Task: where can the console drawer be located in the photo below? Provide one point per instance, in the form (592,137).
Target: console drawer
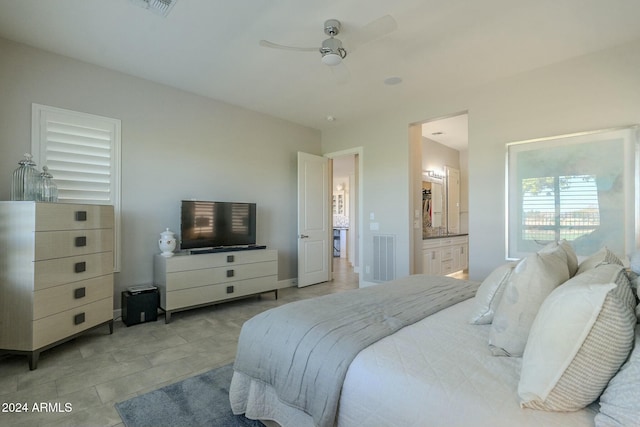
(220,292)
(221,259)
(211,276)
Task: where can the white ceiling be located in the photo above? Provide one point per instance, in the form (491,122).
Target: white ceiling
(210,47)
(450,131)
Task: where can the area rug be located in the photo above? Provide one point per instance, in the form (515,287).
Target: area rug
(202,400)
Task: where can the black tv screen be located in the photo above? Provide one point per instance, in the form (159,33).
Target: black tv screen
(206,224)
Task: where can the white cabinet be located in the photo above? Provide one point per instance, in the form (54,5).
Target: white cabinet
(188,281)
(445,255)
(431,260)
(56,273)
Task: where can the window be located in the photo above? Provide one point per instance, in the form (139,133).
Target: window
(559,207)
(580,187)
(82,152)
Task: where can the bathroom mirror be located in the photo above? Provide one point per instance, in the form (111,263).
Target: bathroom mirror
(433,207)
(441,204)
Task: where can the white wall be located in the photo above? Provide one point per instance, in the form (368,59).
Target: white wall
(175,145)
(436,156)
(596,91)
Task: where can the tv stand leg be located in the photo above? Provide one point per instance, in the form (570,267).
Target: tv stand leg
(167,317)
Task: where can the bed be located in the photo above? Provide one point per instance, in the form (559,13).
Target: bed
(451,366)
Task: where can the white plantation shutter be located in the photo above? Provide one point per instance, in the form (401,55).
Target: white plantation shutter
(82,152)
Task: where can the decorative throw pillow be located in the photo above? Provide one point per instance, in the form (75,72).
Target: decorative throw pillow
(572,258)
(603,256)
(489,294)
(581,336)
(619,404)
(531,281)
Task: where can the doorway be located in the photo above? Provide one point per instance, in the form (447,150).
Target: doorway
(439,153)
(346,201)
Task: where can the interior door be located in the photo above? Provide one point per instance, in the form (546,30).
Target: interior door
(453,200)
(314,225)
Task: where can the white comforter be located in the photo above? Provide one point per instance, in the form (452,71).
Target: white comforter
(439,372)
(436,372)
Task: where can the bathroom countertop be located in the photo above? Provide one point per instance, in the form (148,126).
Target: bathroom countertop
(444,236)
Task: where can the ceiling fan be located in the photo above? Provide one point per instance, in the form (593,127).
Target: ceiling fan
(332,50)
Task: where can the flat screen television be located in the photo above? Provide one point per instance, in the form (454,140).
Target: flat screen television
(208,224)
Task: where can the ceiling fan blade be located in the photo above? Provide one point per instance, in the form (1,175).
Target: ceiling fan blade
(266,43)
(373,30)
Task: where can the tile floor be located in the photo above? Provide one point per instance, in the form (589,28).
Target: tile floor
(96,370)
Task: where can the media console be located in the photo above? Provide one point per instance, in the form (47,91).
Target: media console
(189,281)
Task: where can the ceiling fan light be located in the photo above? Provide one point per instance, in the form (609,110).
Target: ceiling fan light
(331,59)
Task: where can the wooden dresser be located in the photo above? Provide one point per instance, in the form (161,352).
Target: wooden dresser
(188,281)
(56,274)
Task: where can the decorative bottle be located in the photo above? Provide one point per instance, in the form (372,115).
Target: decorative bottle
(47,189)
(24,184)
(167,243)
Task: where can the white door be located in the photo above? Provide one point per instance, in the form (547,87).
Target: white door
(453,200)
(314,225)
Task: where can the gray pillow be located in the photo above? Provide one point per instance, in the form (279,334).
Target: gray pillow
(620,402)
(603,256)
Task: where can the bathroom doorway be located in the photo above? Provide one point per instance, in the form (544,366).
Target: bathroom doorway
(439,155)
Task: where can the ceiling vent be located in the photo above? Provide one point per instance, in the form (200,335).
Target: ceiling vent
(160,7)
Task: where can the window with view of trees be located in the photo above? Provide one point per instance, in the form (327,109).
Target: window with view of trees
(580,187)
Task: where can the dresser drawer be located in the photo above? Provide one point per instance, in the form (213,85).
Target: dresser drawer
(66,216)
(219,292)
(447,253)
(210,276)
(59,271)
(447,267)
(209,260)
(60,244)
(59,326)
(72,295)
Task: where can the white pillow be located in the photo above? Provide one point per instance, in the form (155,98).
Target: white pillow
(603,256)
(489,294)
(572,258)
(620,402)
(531,281)
(579,339)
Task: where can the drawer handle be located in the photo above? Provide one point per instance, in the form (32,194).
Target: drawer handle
(81,241)
(81,215)
(229,289)
(230,273)
(79,293)
(231,258)
(78,319)
(80,267)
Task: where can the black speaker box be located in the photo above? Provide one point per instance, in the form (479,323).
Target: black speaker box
(140,307)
